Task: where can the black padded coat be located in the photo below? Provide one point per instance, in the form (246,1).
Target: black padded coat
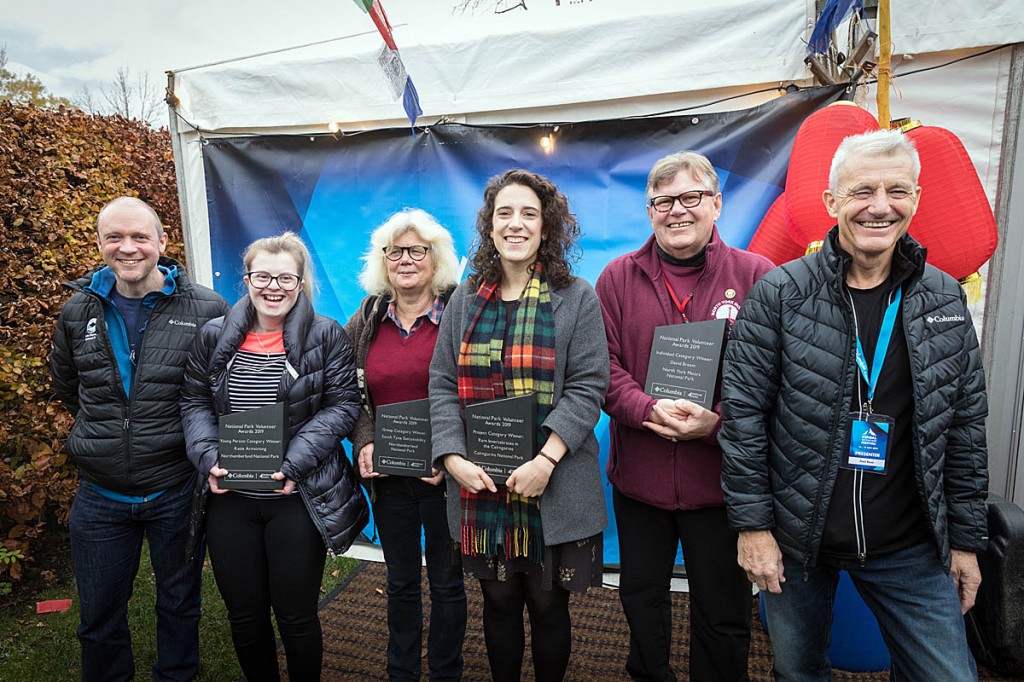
(133,446)
(322,403)
(787,384)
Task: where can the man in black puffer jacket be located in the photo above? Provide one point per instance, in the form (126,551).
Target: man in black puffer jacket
(118,359)
(853,435)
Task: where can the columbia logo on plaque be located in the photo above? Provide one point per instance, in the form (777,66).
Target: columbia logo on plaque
(401,439)
(686,360)
(501,435)
(252,447)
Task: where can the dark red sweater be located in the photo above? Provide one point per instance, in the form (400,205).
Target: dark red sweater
(397,369)
(634,300)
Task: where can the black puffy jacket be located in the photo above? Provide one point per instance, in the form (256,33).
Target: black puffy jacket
(322,402)
(787,384)
(135,446)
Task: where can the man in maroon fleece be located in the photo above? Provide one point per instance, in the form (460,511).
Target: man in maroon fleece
(665,463)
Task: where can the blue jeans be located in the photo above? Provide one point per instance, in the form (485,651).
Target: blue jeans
(403,506)
(106,546)
(911,596)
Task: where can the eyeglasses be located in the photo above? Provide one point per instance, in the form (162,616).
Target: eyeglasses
(416,252)
(664,203)
(261,280)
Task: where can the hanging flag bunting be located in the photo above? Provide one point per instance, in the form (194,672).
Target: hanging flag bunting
(411,102)
(390,62)
(380,19)
(832,14)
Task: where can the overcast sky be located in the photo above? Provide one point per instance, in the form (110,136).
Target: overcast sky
(68,43)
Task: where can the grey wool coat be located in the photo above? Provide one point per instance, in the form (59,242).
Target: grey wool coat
(572,505)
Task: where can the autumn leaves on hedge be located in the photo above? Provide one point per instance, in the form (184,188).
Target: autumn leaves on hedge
(57,168)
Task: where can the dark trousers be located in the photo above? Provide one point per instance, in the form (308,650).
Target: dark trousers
(403,507)
(267,554)
(106,546)
(720,594)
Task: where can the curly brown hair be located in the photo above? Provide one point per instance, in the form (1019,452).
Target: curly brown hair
(559,249)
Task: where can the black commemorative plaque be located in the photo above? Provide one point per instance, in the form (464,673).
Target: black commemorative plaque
(252,447)
(686,360)
(501,434)
(401,440)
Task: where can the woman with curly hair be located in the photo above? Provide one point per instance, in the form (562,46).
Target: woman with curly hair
(522,323)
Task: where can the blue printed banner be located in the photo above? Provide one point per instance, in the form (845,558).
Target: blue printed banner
(334,191)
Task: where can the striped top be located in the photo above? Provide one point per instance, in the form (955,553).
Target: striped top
(253,379)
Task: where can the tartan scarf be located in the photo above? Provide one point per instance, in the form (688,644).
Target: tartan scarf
(497,360)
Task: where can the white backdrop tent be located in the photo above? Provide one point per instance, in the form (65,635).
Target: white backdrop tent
(580,62)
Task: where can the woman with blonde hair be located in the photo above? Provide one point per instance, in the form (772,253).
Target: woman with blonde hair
(409,273)
(268,547)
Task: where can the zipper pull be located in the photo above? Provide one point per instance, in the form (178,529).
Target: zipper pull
(126,420)
(862,556)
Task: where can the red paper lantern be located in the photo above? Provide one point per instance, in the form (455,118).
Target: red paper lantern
(772,238)
(953,220)
(809,163)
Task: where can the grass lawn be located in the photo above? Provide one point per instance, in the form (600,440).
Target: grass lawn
(44,647)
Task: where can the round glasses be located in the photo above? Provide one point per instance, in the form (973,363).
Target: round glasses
(416,252)
(664,203)
(285,281)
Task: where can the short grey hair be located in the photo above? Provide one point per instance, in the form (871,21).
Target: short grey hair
(876,143)
(669,166)
(133,202)
(374,277)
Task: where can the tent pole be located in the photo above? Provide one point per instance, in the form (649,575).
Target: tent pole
(884,63)
(1001,348)
(179,177)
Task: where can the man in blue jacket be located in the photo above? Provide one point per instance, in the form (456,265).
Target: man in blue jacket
(118,360)
(853,435)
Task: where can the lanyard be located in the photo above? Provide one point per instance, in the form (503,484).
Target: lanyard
(884,336)
(675,299)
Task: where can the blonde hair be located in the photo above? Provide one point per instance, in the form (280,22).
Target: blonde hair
(666,168)
(374,277)
(289,243)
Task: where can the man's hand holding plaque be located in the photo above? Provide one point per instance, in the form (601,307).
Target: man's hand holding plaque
(681,420)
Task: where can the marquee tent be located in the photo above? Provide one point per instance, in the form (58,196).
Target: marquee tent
(956,66)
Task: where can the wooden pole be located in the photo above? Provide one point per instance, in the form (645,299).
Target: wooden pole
(884,64)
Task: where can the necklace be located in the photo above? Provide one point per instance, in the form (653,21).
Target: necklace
(260,341)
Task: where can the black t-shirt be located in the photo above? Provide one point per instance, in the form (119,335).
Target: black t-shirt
(886,511)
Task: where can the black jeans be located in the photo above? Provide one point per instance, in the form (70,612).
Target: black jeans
(266,553)
(403,507)
(720,594)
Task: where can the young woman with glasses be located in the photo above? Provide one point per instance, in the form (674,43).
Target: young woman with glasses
(268,547)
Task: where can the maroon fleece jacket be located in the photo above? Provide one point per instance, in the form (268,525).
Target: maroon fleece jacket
(634,300)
